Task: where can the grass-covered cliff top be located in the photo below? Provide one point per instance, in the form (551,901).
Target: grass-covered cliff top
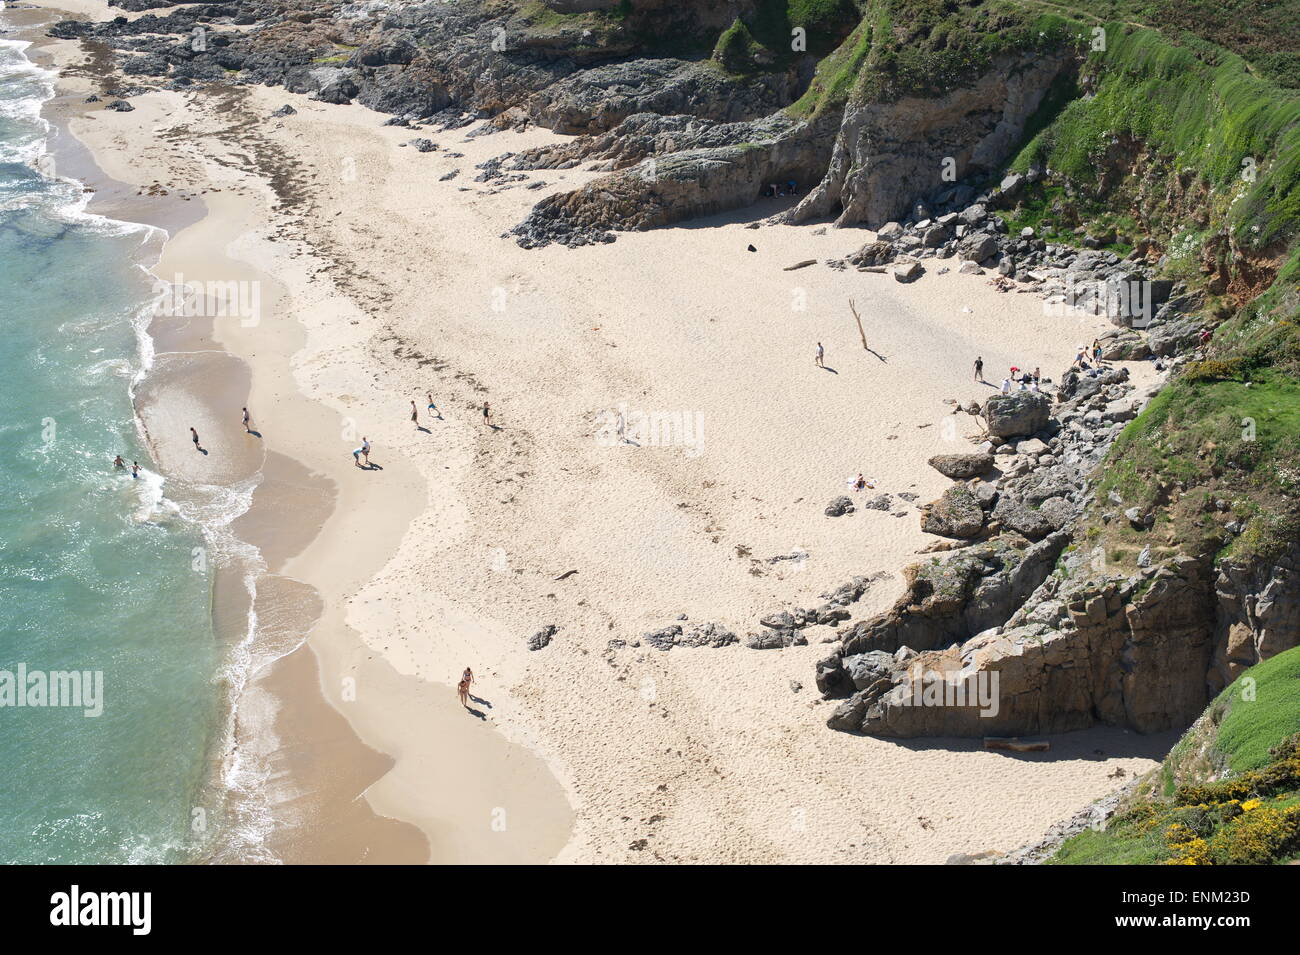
(1191,148)
(1227,794)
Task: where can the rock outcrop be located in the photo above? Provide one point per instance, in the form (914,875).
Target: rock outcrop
(956,514)
(679,185)
(889,154)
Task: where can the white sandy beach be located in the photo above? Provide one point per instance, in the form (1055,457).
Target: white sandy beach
(384,283)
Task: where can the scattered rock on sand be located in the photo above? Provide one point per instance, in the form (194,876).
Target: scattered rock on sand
(908,271)
(694,635)
(840,506)
(542,637)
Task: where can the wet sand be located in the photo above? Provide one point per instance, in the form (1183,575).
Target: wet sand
(292,753)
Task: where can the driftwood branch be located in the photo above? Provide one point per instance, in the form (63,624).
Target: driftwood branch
(858,318)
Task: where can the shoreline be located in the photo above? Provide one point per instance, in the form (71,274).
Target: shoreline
(320,811)
(690,755)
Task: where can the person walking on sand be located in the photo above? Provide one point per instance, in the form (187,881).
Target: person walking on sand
(979,367)
(462,691)
(487,414)
(820,360)
(415,415)
(433,407)
(119,463)
(248,422)
(467,678)
(194,436)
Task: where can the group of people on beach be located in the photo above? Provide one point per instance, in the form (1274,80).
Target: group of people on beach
(1028,380)
(1088,358)
(247,419)
(361,458)
(432,406)
(777,189)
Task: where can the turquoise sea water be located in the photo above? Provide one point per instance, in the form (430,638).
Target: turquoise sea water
(97,570)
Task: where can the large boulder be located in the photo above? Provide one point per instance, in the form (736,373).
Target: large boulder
(1023,518)
(978,247)
(1018,414)
(956,514)
(959,467)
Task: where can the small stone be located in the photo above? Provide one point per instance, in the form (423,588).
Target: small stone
(839,507)
(542,637)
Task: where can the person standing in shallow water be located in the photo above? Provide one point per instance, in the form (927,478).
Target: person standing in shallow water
(119,463)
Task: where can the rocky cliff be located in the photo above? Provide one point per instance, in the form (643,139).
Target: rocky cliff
(887,155)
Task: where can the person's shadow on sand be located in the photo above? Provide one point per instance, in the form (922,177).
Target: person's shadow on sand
(828,368)
(256,434)
(480,701)
(372,466)
(421,427)
(479,713)
(878,355)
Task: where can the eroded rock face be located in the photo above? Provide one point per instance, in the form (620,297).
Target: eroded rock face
(1129,653)
(887,154)
(947,601)
(1258,615)
(677,186)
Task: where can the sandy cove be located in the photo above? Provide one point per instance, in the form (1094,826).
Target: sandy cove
(396,282)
